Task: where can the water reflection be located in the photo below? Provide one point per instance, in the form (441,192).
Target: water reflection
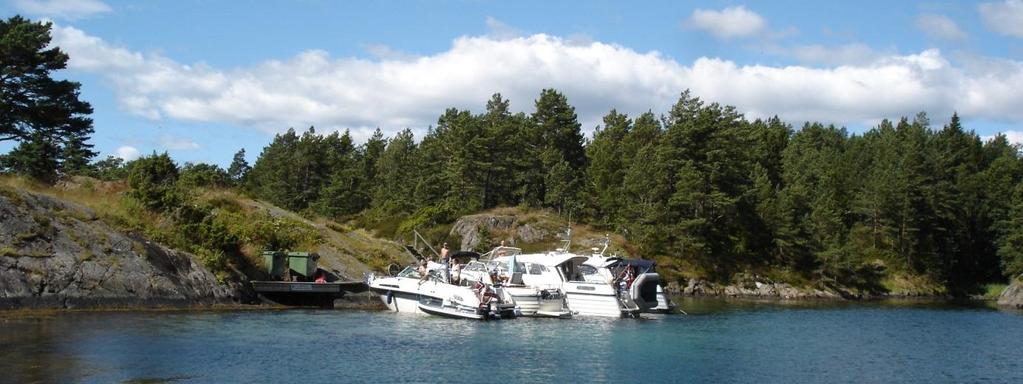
(720,342)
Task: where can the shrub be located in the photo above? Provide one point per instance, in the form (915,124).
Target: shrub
(153,180)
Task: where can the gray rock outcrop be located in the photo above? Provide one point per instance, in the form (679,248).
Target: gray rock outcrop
(470,228)
(1012,296)
(56,254)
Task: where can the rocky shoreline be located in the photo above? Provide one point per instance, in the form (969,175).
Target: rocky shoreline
(783,291)
(1012,296)
(59,255)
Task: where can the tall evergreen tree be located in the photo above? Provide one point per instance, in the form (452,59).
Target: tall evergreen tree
(239,167)
(37,157)
(395,173)
(35,109)
(606,171)
(556,136)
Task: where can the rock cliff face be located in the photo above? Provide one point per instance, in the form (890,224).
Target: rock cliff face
(55,254)
(472,228)
(1012,296)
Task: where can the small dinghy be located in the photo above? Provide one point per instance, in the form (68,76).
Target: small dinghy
(451,312)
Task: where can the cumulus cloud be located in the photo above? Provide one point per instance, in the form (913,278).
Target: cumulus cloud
(384,52)
(62,9)
(313,88)
(1013,137)
(729,22)
(848,54)
(176,143)
(1003,17)
(501,31)
(127,153)
(940,27)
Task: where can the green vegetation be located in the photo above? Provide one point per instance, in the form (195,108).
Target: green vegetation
(45,116)
(994,290)
(701,189)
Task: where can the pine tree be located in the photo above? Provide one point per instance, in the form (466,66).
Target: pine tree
(36,157)
(606,171)
(1010,242)
(395,175)
(556,136)
(36,110)
(239,167)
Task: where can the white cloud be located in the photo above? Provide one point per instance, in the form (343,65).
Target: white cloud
(175,143)
(501,31)
(1005,17)
(848,54)
(941,27)
(384,52)
(63,9)
(314,88)
(1013,137)
(127,153)
(729,22)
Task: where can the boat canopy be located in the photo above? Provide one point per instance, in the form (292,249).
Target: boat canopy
(465,254)
(642,266)
(550,260)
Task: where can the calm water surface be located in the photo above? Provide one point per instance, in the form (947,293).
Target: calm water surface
(718,342)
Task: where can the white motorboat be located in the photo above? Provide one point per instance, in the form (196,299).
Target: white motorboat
(639,279)
(612,286)
(409,292)
(531,281)
(567,279)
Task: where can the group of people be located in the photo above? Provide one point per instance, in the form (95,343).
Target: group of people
(451,267)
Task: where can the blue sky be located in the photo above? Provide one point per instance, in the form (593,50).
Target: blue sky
(201,79)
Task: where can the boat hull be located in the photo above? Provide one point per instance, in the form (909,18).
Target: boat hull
(533,303)
(589,299)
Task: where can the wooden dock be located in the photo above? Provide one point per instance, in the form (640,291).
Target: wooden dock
(302,293)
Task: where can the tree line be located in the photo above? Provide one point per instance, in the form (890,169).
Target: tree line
(699,184)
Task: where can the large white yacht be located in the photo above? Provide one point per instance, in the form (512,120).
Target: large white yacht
(636,277)
(410,292)
(543,284)
(610,286)
(532,281)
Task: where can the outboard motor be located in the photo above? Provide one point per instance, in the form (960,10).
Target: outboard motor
(644,290)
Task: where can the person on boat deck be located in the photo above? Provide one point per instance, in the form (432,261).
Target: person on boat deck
(422,270)
(456,272)
(625,279)
(321,277)
(446,260)
(500,249)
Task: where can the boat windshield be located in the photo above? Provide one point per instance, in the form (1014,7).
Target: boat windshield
(502,266)
(501,251)
(410,272)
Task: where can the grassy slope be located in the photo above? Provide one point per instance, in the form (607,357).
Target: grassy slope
(349,252)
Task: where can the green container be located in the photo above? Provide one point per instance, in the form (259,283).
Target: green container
(303,263)
(275,262)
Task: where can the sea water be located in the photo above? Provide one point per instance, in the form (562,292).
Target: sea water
(718,341)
